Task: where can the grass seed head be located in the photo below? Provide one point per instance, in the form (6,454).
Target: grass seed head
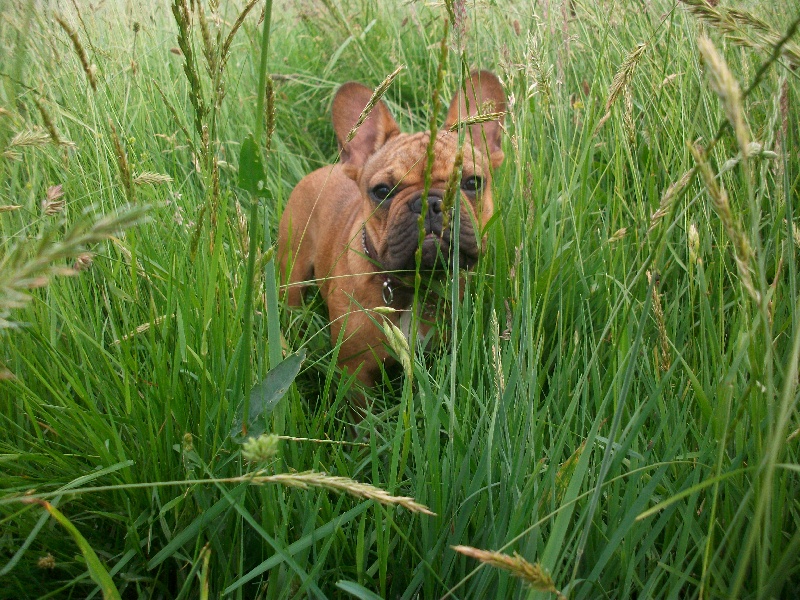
(663,360)
(54,202)
(719,201)
(533,574)
(627,117)
(48,122)
(180,12)
(374,99)
(796,234)
(226,46)
(122,163)
(30,137)
(624,75)
(669,197)
(209,50)
(479,118)
(744,29)
(694,245)
(88,68)
(83,262)
(150,178)
(727,88)
(346,485)
(399,344)
(618,235)
(452,188)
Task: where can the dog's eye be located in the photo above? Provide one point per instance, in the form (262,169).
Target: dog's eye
(472,184)
(382,192)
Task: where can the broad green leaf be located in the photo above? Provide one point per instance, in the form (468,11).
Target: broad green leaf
(264,396)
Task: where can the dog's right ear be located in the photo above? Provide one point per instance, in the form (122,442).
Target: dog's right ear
(374,132)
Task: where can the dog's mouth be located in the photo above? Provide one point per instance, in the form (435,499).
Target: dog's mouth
(437,250)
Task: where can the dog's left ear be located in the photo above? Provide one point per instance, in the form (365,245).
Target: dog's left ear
(484,95)
(374,132)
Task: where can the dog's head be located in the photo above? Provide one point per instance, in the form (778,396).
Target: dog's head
(389,168)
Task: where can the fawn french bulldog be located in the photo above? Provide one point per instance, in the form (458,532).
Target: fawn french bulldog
(352,228)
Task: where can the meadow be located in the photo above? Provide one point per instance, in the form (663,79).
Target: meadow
(613,412)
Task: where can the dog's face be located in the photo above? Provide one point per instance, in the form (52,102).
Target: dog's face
(389,168)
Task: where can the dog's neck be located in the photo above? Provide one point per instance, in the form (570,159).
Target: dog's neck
(390,284)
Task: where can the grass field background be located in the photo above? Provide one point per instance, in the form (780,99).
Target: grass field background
(629,341)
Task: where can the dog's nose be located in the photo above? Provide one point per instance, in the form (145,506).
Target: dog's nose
(434,205)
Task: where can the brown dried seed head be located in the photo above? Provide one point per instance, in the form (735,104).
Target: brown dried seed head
(83,261)
(79,50)
(54,202)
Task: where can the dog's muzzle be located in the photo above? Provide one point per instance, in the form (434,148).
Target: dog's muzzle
(437,251)
(434,218)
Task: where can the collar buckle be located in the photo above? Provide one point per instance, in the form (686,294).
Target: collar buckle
(388,293)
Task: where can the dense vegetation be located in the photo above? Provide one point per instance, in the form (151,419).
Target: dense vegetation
(629,342)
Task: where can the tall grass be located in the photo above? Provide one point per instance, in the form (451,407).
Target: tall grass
(615,414)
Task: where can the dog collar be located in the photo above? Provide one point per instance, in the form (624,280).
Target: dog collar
(372,255)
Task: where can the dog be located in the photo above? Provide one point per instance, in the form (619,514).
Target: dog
(353,228)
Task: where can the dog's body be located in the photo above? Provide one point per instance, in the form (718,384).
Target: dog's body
(352,227)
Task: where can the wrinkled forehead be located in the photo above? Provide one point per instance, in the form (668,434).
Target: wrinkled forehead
(404,157)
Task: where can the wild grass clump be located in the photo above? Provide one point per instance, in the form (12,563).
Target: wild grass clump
(612,409)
